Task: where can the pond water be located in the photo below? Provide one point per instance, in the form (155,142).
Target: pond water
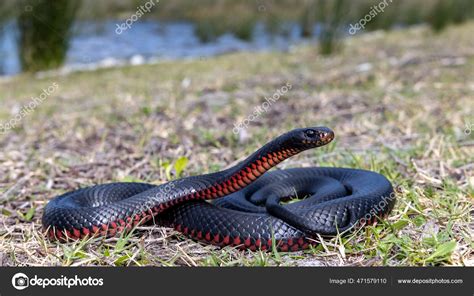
(99,44)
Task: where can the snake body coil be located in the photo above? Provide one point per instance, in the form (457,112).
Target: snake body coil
(246,211)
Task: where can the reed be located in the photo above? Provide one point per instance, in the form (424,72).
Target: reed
(44,27)
(332,15)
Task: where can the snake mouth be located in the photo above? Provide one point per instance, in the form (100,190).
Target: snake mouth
(328,137)
(323,141)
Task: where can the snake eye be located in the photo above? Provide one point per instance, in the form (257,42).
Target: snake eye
(310,133)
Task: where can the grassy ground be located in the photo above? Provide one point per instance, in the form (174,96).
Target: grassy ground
(399,103)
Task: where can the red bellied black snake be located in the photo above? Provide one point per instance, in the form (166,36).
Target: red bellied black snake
(247,208)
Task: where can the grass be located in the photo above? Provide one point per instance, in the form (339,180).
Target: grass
(399,103)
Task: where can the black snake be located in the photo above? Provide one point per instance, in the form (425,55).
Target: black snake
(248,206)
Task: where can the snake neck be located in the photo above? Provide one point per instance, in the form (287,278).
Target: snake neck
(247,171)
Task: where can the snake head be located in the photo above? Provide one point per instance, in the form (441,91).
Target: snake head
(311,137)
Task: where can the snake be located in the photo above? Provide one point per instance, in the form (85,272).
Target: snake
(243,206)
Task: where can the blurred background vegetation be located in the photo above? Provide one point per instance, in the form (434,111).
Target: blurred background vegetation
(45,25)
(39,48)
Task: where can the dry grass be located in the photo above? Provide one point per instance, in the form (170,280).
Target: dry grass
(399,103)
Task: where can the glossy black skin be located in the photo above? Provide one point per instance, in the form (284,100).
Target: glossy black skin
(337,199)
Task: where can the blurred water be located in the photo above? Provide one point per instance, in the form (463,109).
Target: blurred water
(96,44)
(9,60)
